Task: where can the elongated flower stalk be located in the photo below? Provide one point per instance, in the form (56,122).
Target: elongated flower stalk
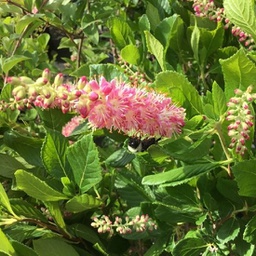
(208,9)
(242,120)
(129,225)
(114,105)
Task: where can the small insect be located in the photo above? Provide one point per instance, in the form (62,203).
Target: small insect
(137,145)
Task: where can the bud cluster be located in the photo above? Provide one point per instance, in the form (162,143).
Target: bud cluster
(138,224)
(208,9)
(242,120)
(111,105)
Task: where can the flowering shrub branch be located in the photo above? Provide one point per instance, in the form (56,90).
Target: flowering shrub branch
(112,105)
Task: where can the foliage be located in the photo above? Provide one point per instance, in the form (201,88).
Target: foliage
(86,194)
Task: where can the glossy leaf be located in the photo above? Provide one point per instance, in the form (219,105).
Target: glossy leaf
(22,249)
(242,14)
(54,154)
(10,62)
(228,231)
(120,158)
(155,48)
(245,176)
(179,175)
(4,200)
(8,165)
(131,54)
(219,100)
(180,90)
(250,231)
(82,202)
(84,160)
(36,188)
(239,72)
(5,245)
(190,247)
(28,147)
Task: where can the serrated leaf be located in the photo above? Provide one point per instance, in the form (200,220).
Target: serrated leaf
(228,231)
(28,147)
(120,158)
(239,72)
(57,215)
(249,234)
(23,208)
(22,249)
(242,14)
(36,188)
(219,100)
(84,160)
(4,200)
(53,246)
(155,48)
(179,175)
(245,176)
(190,247)
(54,118)
(8,165)
(131,54)
(5,245)
(121,32)
(180,90)
(109,71)
(54,154)
(82,202)
(10,62)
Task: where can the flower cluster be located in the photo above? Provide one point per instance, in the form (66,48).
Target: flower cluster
(138,224)
(241,119)
(112,105)
(208,9)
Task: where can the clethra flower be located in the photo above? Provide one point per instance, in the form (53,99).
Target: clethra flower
(128,225)
(71,125)
(241,119)
(113,105)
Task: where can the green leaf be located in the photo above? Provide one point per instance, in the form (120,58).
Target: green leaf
(155,48)
(188,151)
(57,215)
(153,15)
(167,30)
(82,202)
(25,21)
(180,205)
(190,247)
(228,231)
(250,231)
(23,208)
(242,14)
(10,62)
(54,154)
(120,158)
(239,72)
(22,249)
(131,54)
(219,100)
(53,246)
(158,246)
(36,188)
(84,160)
(83,70)
(27,147)
(245,176)
(109,71)
(54,118)
(179,175)
(4,200)
(180,90)
(5,245)
(121,32)
(86,233)
(8,165)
